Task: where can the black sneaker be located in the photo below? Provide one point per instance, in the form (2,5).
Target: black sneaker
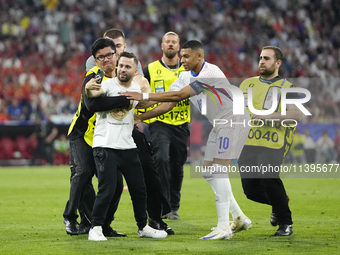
(161,225)
(284,230)
(274,220)
(71,227)
(109,232)
(169,230)
(83,229)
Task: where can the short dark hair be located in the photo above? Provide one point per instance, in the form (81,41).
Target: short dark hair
(277,52)
(193,44)
(128,55)
(114,33)
(102,43)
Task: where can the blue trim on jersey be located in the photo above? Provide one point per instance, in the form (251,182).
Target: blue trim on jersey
(275,79)
(224,93)
(195,75)
(265,81)
(196,85)
(283,82)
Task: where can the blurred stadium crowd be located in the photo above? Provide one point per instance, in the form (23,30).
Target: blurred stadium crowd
(44,45)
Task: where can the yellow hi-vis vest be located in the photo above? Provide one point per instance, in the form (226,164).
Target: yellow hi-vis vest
(272,134)
(161,79)
(297,146)
(88,136)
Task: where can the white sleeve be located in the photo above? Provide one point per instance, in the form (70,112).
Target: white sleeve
(178,84)
(106,87)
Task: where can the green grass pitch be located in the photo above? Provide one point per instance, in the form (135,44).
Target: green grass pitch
(32,201)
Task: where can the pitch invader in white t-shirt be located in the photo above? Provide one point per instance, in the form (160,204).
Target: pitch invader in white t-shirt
(203,79)
(114,150)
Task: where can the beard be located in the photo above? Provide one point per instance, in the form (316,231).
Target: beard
(170,54)
(267,71)
(126,78)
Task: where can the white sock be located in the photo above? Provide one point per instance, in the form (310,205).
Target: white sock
(223,215)
(234,208)
(219,184)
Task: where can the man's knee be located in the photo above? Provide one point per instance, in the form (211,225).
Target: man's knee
(250,194)
(248,189)
(162,157)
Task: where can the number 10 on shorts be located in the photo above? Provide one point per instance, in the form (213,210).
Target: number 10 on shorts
(224,143)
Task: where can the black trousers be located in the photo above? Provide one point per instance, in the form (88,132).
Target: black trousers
(82,194)
(169,145)
(108,162)
(266,188)
(157,204)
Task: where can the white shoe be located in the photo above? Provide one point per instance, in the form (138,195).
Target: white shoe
(150,232)
(240,223)
(96,234)
(218,234)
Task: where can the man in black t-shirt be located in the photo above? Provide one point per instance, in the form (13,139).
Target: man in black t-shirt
(46,132)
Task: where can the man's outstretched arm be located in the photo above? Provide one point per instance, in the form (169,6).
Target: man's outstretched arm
(169,96)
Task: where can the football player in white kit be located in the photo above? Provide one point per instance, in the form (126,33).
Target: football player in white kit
(205,82)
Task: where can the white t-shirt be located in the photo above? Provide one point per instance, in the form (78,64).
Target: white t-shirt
(213,76)
(324,144)
(114,128)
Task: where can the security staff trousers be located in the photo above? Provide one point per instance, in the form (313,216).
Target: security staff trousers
(265,186)
(169,145)
(157,204)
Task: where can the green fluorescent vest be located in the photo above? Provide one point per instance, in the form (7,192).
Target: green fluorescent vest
(272,134)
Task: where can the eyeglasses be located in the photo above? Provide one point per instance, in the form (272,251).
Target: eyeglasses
(101,58)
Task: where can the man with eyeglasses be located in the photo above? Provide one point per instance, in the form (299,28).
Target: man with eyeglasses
(110,55)
(118,37)
(80,136)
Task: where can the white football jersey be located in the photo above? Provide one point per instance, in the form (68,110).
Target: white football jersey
(219,102)
(211,86)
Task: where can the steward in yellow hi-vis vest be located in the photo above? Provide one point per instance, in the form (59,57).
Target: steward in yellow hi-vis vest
(78,117)
(169,132)
(272,134)
(161,79)
(261,160)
